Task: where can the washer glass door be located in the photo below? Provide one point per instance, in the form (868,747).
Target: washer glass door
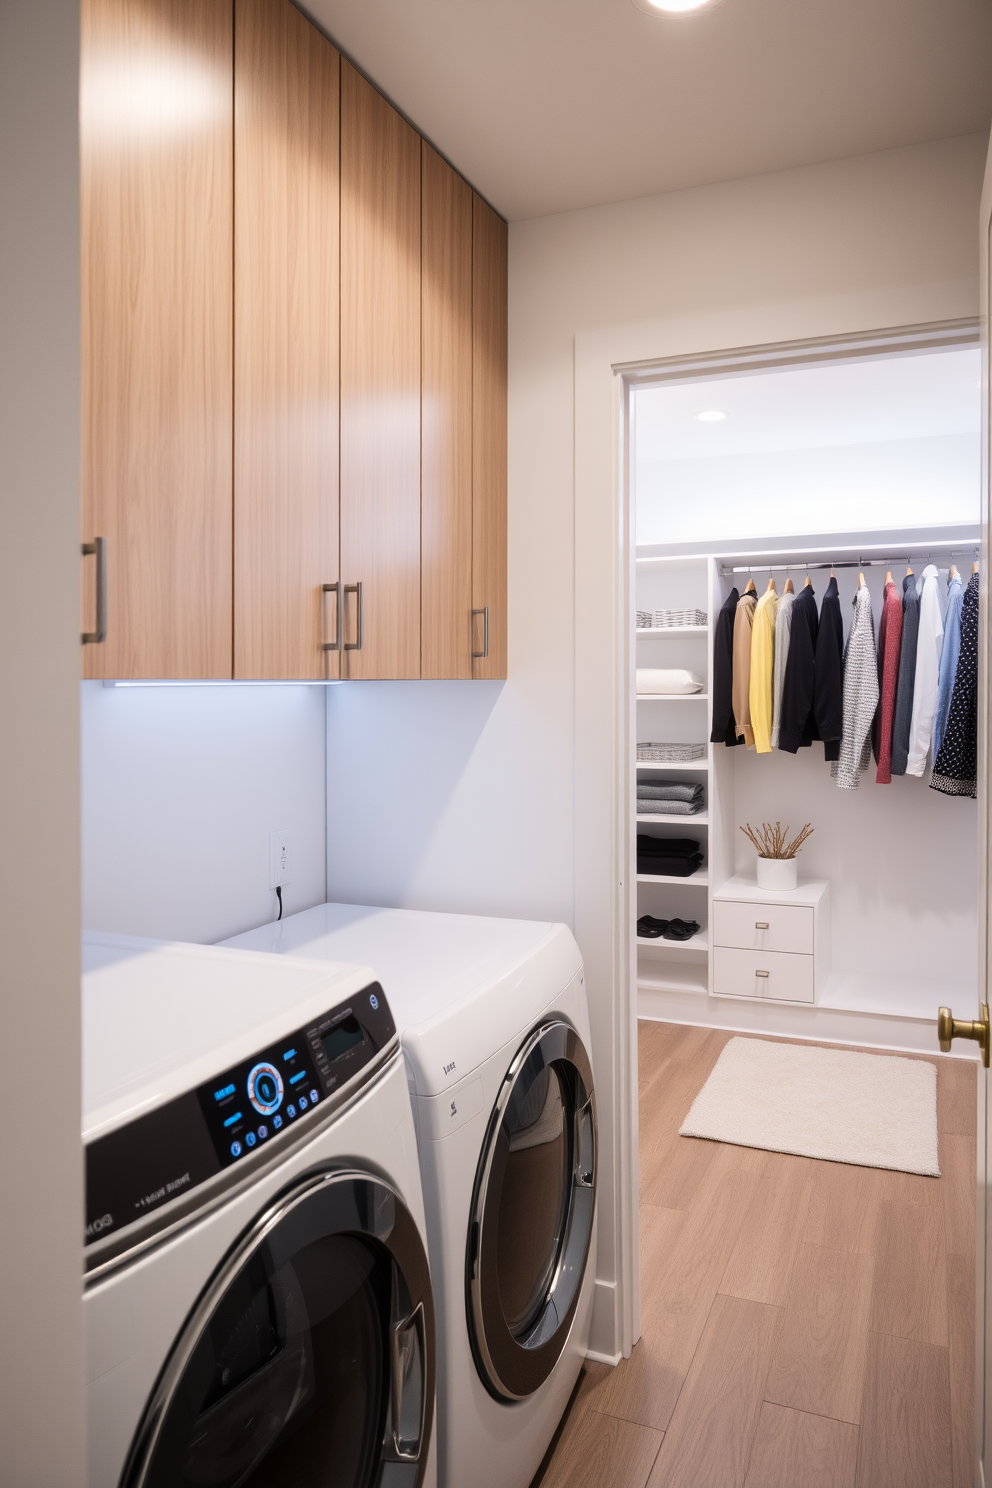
(309,1360)
(532,1212)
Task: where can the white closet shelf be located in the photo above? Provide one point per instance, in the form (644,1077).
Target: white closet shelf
(701,819)
(700,764)
(700,878)
(698,943)
(673,630)
(671,984)
(672,697)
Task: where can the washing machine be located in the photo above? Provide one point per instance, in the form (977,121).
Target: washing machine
(494,1022)
(257,1304)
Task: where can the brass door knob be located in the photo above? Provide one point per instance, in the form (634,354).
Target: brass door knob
(949,1027)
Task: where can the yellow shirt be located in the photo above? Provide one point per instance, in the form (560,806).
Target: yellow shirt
(762,662)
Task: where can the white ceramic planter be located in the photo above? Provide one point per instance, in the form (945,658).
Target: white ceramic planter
(778,874)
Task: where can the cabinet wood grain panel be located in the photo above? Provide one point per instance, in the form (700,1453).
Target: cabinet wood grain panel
(380,381)
(287,198)
(446,422)
(489,350)
(157,263)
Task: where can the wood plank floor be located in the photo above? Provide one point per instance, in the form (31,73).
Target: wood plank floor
(805,1324)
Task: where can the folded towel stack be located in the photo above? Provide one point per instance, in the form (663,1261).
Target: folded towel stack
(668,800)
(673,857)
(668,681)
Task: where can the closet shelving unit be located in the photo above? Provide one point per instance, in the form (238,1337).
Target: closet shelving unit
(675,980)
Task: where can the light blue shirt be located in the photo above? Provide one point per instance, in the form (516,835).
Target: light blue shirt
(949,653)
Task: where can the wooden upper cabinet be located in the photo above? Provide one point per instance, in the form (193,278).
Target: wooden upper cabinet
(157,262)
(380,384)
(446,422)
(489,350)
(286,205)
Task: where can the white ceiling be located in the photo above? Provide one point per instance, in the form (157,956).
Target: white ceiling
(547,105)
(905,397)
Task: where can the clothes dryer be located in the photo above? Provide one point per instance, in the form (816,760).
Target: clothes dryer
(257,1304)
(494,1022)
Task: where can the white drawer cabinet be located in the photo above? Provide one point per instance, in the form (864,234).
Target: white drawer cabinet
(768,945)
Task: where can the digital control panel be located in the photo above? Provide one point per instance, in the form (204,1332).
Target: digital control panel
(236,1115)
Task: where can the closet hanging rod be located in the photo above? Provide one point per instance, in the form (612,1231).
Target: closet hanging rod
(804,567)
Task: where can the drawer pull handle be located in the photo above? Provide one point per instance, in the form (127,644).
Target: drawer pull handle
(762,973)
(761,924)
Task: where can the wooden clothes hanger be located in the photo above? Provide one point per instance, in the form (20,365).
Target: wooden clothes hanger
(788,586)
(888,576)
(952,572)
(771,587)
(750,586)
(974,566)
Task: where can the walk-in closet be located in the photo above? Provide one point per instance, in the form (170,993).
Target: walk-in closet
(821,483)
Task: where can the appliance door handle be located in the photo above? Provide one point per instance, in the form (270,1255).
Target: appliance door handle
(355,645)
(484,612)
(408,1401)
(585,1147)
(98,549)
(337,591)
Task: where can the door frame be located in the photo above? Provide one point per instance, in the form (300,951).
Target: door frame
(607,366)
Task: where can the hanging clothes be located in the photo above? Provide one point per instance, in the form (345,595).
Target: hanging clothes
(907,675)
(783,636)
(828,696)
(724,729)
(889,641)
(955,771)
(929,640)
(762,664)
(949,652)
(860,695)
(797,726)
(743,622)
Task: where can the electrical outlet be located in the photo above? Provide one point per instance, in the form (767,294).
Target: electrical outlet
(280,860)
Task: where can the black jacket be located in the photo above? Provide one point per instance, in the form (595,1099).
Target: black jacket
(828,702)
(724,728)
(797,725)
(906,684)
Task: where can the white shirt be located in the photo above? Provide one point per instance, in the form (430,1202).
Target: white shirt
(931,638)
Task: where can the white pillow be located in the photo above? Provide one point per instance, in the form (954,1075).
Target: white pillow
(671,680)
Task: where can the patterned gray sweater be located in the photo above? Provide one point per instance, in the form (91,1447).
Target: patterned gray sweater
(860,696)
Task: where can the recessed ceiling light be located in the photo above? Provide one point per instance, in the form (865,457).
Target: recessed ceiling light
(675,7)
(711,415)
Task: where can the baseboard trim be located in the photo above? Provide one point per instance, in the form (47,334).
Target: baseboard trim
(597,1358)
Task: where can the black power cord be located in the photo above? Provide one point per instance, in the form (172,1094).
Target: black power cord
(279,897)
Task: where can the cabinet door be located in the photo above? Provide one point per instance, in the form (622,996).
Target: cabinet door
(286,205)
(446,427)
(489,269)
(157,264)
(380,384)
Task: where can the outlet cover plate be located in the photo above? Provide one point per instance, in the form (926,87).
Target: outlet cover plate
(280,859)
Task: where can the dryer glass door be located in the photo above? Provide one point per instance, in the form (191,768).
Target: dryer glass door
(309,1360)
(532,1212)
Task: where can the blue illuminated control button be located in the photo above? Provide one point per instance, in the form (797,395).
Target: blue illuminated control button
(235,1149)
(265,1088)
(276,1123)
(313,1097)
(263,1132)
(373,1002)
(303,1102)
(249,1139)
(290,1111)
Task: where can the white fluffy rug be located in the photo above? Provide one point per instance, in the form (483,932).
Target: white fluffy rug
(875,1110)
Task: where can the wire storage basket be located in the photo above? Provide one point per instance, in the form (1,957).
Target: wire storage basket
(672,754)
(672,619)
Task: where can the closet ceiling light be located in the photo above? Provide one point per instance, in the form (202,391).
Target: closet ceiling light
(711,415)
(675,7)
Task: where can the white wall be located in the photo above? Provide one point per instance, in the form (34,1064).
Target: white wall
(881,240)
(41,1368)
(181,788)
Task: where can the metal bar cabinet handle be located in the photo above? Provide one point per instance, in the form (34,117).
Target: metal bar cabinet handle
(355,645)
(334,589)
(98,549)
(484,612)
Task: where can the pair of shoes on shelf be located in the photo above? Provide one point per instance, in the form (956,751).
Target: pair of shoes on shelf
(651,928)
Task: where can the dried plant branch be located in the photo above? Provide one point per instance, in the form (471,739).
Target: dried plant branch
(772,842)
